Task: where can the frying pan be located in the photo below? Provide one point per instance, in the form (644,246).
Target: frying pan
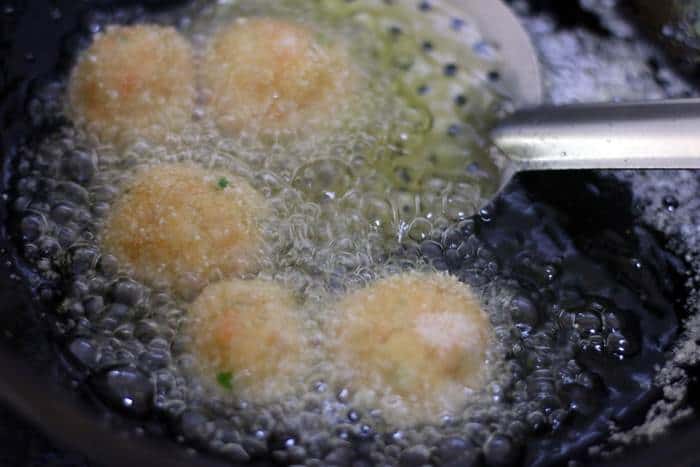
(33,382)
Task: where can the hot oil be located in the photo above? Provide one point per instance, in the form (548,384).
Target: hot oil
(564,306)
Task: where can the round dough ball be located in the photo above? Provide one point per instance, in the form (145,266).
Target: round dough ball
(270,76)
(134,82)
(182,226)
(247,338)
(417,341)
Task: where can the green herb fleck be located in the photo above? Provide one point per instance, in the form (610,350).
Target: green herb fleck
(225,380)
(223,183)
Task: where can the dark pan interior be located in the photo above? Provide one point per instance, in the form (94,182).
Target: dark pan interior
(33,50)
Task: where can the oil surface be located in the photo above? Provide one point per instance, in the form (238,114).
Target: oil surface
(573,279)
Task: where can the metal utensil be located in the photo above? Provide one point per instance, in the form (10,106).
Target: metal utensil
(644,135)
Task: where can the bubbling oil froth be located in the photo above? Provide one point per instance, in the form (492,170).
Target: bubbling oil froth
(338,216)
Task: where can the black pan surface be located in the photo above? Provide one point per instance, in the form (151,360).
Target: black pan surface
(37,39)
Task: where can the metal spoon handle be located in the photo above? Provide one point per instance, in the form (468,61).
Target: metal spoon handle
(645,135)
